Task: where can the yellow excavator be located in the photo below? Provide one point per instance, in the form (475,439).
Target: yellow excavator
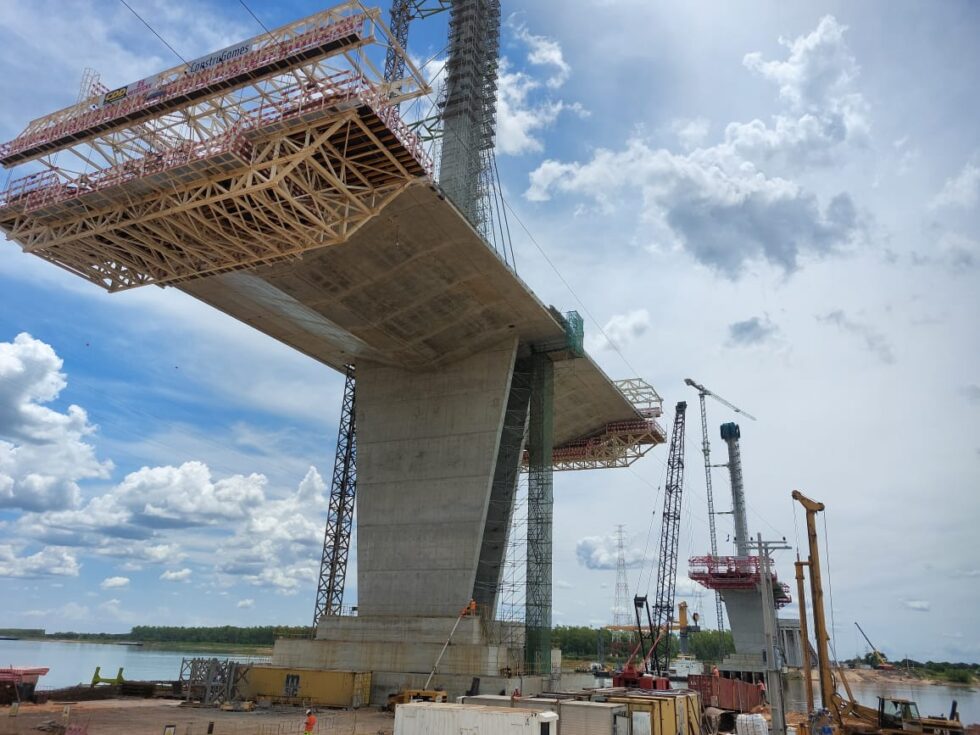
(842,716)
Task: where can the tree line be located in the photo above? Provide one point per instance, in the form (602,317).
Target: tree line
(583,642)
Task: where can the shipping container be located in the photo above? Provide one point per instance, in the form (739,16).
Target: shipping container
(730,694)
(306,686)
(427,718)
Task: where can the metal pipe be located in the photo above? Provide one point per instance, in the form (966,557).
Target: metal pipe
(804,634)
(828,692)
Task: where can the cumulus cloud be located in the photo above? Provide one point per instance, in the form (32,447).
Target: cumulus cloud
(43,452)
(727,204)
(50,561)
(246,603)
(522,111)
(176,575)
(620,330)
(544,51)
(754,331)
(960,191)
(114,582)
(918,605)
(601,552)
(873,340)
(954,251)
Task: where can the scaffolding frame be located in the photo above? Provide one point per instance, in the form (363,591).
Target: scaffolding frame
(292,146)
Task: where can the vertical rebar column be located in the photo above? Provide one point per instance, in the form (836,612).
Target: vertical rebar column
(540,507)
(340,515)
(469,106)
(731,434)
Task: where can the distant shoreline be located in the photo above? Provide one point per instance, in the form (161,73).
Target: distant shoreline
(175,646)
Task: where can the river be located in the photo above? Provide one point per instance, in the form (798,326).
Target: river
(933,699)
(72,663)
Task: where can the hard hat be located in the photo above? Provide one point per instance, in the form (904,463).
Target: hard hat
(309,712)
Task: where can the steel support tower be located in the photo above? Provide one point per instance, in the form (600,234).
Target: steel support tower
(663,608)
(540,511)
(340,516)
(469,109)
(706,451)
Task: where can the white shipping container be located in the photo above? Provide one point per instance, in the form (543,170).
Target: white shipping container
(428,718)
(589,718)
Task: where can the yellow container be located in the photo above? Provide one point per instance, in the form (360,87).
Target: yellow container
(307,686)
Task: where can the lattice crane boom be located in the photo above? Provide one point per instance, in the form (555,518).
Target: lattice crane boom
(663,608)
(705,392)
(340,516)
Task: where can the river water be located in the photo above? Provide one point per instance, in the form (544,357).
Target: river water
(73,663)
(932,699)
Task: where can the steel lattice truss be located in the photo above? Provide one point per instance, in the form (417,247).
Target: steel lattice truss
(340,516)
(663,608)
(292,144)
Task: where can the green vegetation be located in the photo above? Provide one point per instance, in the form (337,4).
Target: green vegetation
(224,638)
(583,643)
(22,632)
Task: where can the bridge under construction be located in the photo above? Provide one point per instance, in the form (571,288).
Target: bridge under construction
(277,181)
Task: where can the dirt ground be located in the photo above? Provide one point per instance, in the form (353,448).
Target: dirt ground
(151,716)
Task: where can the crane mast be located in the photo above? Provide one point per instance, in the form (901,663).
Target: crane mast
(663,608)
(706,451)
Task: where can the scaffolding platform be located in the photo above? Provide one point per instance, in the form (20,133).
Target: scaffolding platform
(734,573)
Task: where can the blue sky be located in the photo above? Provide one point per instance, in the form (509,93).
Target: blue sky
(779,201)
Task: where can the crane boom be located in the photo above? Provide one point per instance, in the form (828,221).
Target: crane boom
(704,391)
(663,608)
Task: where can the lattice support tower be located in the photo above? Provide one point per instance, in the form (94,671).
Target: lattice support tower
(540,511)
(402,13)
(340,515)
(663,607)
(706,451)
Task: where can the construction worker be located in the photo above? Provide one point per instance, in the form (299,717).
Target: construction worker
(762,691)
(470,609)
(714,671)
(310,723)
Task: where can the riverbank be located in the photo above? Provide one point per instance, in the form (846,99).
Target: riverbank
(899,677)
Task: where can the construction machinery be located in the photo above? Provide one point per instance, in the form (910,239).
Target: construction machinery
(706,451)
(878,659)
(893,715)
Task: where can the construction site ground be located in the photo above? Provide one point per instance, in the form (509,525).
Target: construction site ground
(151,716)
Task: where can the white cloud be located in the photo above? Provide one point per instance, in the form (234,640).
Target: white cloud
(114,582)
(246,603)
(544,51)
(46,454)
(962,190)
(691,133)
(522,112)
(48,562)
(620,330)
(918,605)
(601,552)
(178,575)
(727,204)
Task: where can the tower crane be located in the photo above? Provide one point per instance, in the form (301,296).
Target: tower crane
(706,451)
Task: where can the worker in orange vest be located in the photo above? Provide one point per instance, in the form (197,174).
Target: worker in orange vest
(310,723)
(470,609)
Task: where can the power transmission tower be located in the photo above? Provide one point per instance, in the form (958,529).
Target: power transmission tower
(663,608)
(621,616)
(340,515)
